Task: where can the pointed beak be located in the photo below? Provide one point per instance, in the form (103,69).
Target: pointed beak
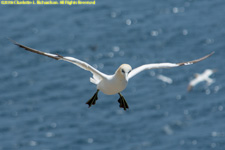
(126,76)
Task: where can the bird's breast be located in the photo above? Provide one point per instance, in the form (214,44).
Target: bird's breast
(112,86)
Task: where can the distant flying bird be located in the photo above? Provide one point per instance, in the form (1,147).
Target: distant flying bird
(111,84)
(164,79)
(205,76)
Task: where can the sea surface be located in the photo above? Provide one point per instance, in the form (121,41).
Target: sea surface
(42,101)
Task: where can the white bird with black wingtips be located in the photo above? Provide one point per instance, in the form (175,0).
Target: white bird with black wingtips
(205,76)
(111,84)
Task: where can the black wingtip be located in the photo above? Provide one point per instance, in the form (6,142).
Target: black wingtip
(209,55)
(196,60)
(212,53)
(14,42)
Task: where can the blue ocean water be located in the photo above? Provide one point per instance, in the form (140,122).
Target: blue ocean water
(42,101)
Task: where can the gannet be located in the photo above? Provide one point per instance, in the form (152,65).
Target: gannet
(205,76)
(111,84)
(164,79)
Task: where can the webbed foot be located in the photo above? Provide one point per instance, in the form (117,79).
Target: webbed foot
(123,103)
(93,99)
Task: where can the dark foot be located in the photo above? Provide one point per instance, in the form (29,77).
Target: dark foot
(123,103)
(92,101)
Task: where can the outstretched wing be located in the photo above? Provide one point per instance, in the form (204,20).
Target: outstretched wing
(97,75)
(163,65)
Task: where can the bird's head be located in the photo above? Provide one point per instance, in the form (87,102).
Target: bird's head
(210,71)
(124,70)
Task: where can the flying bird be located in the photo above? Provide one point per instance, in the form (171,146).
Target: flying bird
(111,84)
(205,76)
(164,79)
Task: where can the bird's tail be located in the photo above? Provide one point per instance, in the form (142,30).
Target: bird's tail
(96,79)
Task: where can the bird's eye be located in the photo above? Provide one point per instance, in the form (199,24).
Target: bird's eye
(123,71)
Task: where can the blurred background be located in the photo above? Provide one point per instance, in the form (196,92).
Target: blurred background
(42,101)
